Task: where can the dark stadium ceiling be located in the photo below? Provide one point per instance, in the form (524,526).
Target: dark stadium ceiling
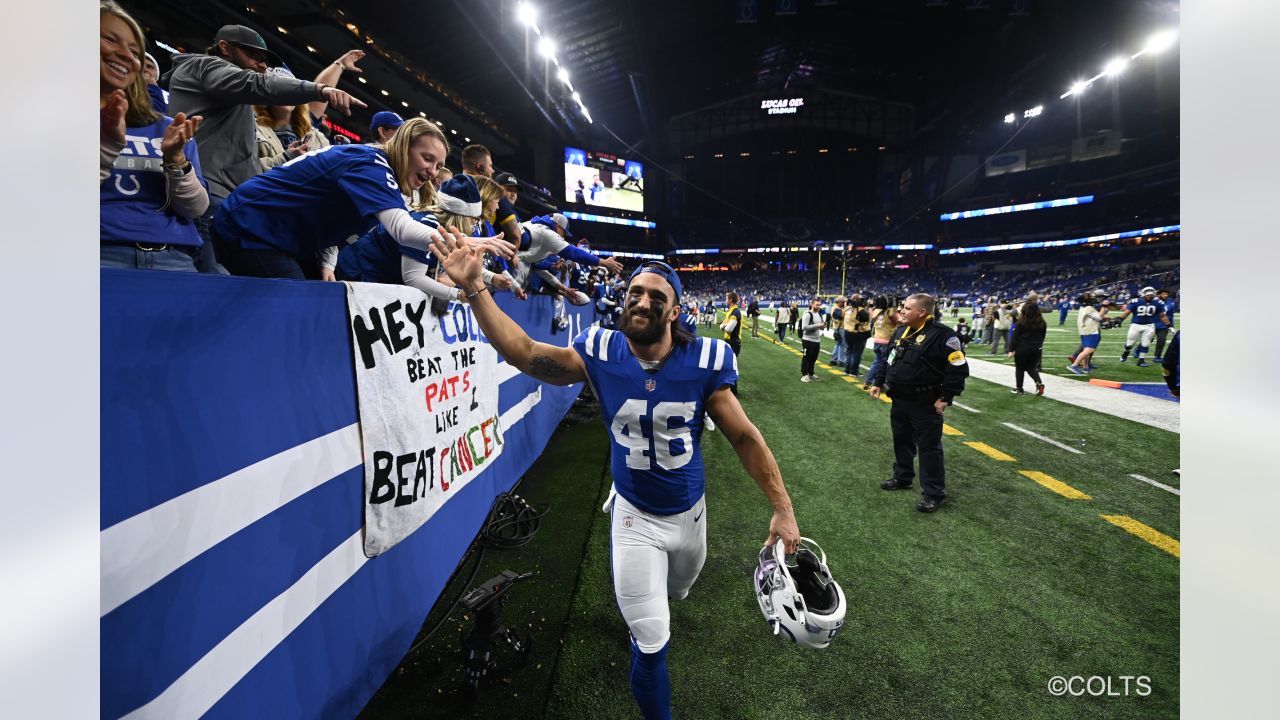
(638,63)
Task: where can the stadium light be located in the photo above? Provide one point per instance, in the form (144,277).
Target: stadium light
(1160,41)
(577,98)
(1115,67)
(546,48)
(526,14)
(563,75)
(1007,118)
(1033,112)
(1076,89)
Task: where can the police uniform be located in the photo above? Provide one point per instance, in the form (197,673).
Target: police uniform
(923,366)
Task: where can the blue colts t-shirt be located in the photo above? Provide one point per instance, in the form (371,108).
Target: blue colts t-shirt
(311,202)
(655,419)
(132,200)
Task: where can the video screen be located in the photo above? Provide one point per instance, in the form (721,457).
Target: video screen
(603,180)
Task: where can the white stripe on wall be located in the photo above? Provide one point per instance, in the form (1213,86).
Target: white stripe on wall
(138,552)
(212,676)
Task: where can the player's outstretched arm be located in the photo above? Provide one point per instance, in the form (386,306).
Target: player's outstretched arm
(758,461)
(548,363)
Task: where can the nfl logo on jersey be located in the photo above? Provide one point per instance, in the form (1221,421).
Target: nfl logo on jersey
(650,384)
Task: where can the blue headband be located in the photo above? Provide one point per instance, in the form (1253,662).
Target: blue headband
(662,269)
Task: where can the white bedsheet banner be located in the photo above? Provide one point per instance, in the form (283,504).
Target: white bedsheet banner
(427,390)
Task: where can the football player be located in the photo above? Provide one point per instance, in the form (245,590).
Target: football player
(1146,311)
(656,384)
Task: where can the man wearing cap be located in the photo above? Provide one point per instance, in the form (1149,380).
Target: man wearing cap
(1146,311)
(657,384)
(548,235)
(384,127)
(477,160)
(222,85)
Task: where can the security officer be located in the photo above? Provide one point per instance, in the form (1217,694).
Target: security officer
(926,368)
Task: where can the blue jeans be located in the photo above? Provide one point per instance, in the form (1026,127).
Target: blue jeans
(837,353)
(176,258)
(881,351)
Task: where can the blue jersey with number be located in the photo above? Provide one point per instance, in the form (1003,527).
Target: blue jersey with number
(312,201)
(1145,312)
(655,419)
(375,257)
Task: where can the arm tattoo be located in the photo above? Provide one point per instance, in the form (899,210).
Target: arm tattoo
(546,368)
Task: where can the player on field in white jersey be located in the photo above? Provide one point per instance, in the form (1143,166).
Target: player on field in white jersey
(656,384)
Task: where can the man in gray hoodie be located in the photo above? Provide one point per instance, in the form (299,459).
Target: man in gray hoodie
(222,85)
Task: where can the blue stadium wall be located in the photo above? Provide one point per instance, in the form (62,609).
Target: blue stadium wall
(209,383)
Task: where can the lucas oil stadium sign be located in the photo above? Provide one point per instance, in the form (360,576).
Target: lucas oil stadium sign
(784,106)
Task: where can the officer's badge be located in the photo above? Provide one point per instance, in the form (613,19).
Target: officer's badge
(919,339)
(650,384)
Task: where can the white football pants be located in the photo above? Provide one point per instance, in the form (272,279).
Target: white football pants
(1140,335)
(654,557)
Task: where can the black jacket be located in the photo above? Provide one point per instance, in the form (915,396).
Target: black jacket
(925,362)
(1026,339)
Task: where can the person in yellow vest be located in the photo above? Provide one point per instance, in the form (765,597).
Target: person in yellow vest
(732,327)
(857,330)
(884,320)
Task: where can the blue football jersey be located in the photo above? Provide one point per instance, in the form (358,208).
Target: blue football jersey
(312,201)
(375,257)
(1145,312)
(688,322)
(655,419)
(1169,309)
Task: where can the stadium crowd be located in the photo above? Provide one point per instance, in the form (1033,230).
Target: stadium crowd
(223,164)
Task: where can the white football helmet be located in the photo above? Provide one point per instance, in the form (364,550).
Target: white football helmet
(800,599)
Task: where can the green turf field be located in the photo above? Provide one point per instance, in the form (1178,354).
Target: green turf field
(1059,342)
(965,613)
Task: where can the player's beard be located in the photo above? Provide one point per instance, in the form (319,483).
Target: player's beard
(642,334)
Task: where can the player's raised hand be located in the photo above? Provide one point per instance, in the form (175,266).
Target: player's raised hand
(612,264)
(461,262)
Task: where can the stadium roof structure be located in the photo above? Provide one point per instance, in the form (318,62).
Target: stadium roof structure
(636,64)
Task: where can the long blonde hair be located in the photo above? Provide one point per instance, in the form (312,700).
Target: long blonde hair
(397,150)
(299,119)
(140,112)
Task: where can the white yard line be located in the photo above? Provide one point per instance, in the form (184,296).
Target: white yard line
(1160,485)
(962,406)
(1038,436)
(1129,406)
